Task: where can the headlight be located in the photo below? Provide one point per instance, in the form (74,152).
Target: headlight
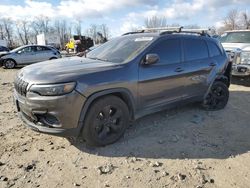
(245,57)
(54,89)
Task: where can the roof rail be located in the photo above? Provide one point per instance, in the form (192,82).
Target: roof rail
(172,30)
(164,29)
(202,32)
(133,32)
(154,29)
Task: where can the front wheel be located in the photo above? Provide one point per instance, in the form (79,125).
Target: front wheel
(52,58)
(106,121)
(9,64)
(217,97)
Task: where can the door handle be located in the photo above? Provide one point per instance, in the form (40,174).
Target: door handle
(179,69)
(212,64)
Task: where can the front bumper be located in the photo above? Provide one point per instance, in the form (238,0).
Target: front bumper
(57,115)
(241,70)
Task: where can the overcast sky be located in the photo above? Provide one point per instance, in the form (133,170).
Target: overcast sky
(121,15)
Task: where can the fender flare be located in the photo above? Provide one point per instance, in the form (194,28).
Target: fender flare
(124,92)
(222,78)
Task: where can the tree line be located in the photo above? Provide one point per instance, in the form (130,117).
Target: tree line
(234,20)
(22,32)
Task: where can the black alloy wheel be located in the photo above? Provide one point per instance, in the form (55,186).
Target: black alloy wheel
(106,121)
(217,97)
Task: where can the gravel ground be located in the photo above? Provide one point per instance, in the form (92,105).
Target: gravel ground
(184,147)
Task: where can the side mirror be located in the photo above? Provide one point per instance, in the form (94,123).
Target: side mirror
(151,59)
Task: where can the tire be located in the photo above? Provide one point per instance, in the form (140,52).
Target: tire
(106,121)
(9,64)
(217,97)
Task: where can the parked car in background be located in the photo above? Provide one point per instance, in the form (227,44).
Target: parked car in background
(29,54)
(3,50)
(237,45)
(123,79)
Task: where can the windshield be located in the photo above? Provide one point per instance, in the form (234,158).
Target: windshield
(121,49)
(17,49)
(235,37)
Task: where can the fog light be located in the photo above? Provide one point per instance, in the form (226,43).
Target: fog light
(48,120)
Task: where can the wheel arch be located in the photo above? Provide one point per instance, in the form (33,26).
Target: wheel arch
(9,59)
(122,93)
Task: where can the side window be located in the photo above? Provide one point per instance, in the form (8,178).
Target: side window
(213,49)
(42,48)
(168,50)
(26,50)
(195,49)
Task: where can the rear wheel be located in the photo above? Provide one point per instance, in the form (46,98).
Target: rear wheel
(9,64)
(106,121)
(217,97)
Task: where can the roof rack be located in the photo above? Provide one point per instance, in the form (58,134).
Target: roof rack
(133,32)
(159,29)
(164,29)
(173,30)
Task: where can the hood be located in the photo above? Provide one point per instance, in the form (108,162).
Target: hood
(236,46)
(63,70)
(4,53)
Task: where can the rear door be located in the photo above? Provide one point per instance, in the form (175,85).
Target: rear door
(200,66)
(43,53)
(162,82)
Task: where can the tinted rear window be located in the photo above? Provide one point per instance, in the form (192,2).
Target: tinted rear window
(195,49)
(168,50)
(213,49)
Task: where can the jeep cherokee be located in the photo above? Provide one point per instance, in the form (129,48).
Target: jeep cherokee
(126,78)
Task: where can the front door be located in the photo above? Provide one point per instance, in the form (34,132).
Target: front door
(27,55)
(164,81)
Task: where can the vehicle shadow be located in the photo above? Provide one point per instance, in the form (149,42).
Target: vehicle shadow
(186,132)
(244,81)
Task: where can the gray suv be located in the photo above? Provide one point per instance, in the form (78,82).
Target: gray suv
(28,54)
(126,78)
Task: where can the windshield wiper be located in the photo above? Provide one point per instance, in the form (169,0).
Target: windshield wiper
(96,58)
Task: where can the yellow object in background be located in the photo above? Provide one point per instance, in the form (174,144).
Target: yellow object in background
(70,44)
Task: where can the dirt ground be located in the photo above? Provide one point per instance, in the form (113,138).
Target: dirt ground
(184,147)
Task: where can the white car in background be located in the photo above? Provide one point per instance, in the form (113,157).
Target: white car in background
(237,45)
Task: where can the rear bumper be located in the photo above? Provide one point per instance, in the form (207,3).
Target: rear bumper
(57,115)
(241,70)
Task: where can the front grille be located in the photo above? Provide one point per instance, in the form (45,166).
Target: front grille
(231,55)
(21,86)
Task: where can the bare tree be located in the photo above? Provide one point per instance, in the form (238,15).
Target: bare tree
(105,31)
(63,30)
(23,30)
(155,21)
(246,20)
(231,20)
(6,30)
(41,24)
(78,28)
(1,31)
(93,32)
